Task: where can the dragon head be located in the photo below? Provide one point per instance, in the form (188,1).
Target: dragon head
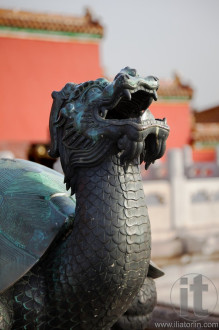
(90,119)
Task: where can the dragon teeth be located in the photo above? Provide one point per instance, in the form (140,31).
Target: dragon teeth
(127,94)
(103,113)
(155,95)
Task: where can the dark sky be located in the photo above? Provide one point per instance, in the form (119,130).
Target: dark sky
(157,37)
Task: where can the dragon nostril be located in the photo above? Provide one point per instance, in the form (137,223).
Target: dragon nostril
(122,78)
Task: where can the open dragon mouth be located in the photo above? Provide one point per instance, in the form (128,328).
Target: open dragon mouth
(132,104)
(128,97)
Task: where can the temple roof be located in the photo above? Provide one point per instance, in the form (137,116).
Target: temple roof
(206,126)
(210,115)
(22,20)
(206,132)
(174,89)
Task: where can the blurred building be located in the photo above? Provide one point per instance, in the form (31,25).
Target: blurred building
(41,53)
(174,103)
(205,134)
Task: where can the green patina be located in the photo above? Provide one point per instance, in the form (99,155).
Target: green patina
(78,118)
(94,134)
(28,193)
(54,33)
(48,182)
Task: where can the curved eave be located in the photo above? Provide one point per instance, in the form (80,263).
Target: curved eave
(16,31)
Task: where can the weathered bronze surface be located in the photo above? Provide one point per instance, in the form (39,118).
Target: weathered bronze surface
(83,266)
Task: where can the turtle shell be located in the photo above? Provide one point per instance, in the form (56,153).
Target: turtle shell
(34,207)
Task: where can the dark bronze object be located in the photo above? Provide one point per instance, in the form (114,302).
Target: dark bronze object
(83,265)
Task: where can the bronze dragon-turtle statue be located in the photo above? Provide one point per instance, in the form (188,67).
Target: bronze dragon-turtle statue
(82,260)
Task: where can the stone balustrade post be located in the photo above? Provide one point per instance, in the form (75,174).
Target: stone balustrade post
(187,156)
(177,188)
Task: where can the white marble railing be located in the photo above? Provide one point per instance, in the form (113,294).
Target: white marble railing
(184,201)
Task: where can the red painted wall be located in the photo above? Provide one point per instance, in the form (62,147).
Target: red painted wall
(205,155)
(178,118)
(29,71)
(32,69)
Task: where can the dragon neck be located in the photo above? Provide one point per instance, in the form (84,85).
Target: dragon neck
(108,250)
(111,209)
(108,184)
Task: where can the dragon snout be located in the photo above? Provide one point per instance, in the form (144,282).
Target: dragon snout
(151,82)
